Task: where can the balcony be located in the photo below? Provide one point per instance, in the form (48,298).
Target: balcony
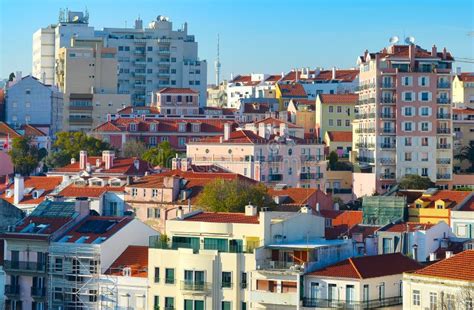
(388,100)
(387,145)
(164,63)
(140,63)
(38,292)
(387,85)
(366,160)
(339,190)
(443,146)
(344,304)
(443,130)
(365,130)
(365,145)
(139,85)
(443,161)
(443,115)
(12,290)
(443,176)
(310,176)
(274,298)
(195,286)
(24,267)
(385,115)
(275,158)
(306,158)
(388,130)
(442,84)
(387,176)
(80,120)
(387,161)
(442,100)
(164,52)
(275,177)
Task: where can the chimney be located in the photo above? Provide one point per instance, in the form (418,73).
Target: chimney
(108,159)
(185,164)
(168,182)
(434,51)
(444,53)
(305,209)
(138,24)
(82,160)
(336,206)
(283,129)
(136,164)
(333,75)
(412,55)
(97,163)
(250,210)
(226,131)
(261,130)
(318,207)
(88,167)
(180,213)
(296,75)
(176,163)
(19,189)
(81,205)
(73,161)
(432,257)
(449,254)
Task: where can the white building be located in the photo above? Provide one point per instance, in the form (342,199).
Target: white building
(255,85)
(47,42)
(447,284)
(156,57)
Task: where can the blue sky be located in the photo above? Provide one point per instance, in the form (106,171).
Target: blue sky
(259,36)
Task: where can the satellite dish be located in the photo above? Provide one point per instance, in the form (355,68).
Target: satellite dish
(75,18)
(410,40)
(394,39)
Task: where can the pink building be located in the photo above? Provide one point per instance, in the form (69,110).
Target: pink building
(404,122)
(176,101)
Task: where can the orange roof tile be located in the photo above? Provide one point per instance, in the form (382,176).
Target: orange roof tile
(292,90)
(452,197)
(466,76)
(88,191)
(340,136)
(134,257)
(463,111)
(120,165)
(48,184)
(366,267)
(275,122)
(458,267)
(175,90)
(223,217)
(338,98)
(409,226)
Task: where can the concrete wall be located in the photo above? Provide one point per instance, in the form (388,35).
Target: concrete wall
(364,184)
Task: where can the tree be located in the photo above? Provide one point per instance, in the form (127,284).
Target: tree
(24,156)
(160,155)
(333,158)
(133,148)
(11,77)
(232,196)
(467,153)
(414,181)
(69,144)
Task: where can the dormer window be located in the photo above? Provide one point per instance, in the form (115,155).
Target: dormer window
(153,127)
(439,207)
(133,127)
(182,127)
(196,127)
(418,205)
(37,193)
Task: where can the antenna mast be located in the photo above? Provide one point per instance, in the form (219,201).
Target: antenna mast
(217,64)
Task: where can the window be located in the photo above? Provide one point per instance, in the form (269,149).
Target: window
(387,245)
(339,109)
(439,206)
(407,81)
(424,126)
(226,305)
(408,126)
(408,96)
(424,172)
(408,111)
(339,123)
(425,96)
(169,276)
(433,301)
(181,141)
(164,139)
(331,109)
(424,156)
(58,264)
(348,123)
(450,302)
(407,156)
(133,127)
(424,141)
(134,192)
(243,280)
(425,111)
(408,141)
(226,279)
(58,293)
(350,292)
(149,48)
(243,305)
(182,127)
(331,122)
(366,292)
(157,275)
(423,81)
(169,302)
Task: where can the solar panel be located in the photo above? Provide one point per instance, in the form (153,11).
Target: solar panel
(96,226)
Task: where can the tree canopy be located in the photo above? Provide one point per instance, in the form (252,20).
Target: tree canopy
(414,181)
(232,196)
(24,156)
(160,155)
(467,153)
(11,77)
(134,148)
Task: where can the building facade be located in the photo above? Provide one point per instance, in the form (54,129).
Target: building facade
(176,101)
(403,125)
(334,113)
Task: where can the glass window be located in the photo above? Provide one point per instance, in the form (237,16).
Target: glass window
(169,276)
(226,279)
(216,244)
(331,109)
(433,301)
(339,109)
(169,302)
(226,305)
(157,274)
(387,245)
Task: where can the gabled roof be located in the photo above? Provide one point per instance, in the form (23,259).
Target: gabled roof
(466,76)
(175,90)
(259,108)
(124,166)
(48,184)
(295,90)
(223,217)
(298,197)
(366,267)
(452,198)
(346,76)
(458,267)
(6,130)
(340,136)
(88,191)
(408,227)
(338,98)
(134,257)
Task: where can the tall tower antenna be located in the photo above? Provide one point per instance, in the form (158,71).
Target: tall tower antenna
(217,64)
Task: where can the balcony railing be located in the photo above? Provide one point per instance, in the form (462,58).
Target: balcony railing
(387,161)
(387,85)
(311,157)
(387,176)
(365,145)
(310,176)
(442,100)
(388,130)
(344,304)
(443,115)
(443,176)
(387,115)
(275,177)
(388,100)
(387,145)
(444,146)
(38,292)
(195,286)
(365,130)
(275,158)
(444,85)
(21,266)
(366,160)
(12,290)
(339,190)
(443,161)
(443,130)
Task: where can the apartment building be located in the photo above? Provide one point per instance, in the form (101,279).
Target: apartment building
(320,81)
(48,41)
(368,282)
(176,101)
(462,220)
(334,113)
(277,126)
(86,73)
(255,85)
(256,109)
(285,92)
(156,57)
(463,130)
(404,114)
(302,113)
(263,155)
(463,90)
(28,101)
(446,284)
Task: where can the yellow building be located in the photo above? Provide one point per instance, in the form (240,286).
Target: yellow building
(339,184)
(436,205)
(285,92)
(87,75)
(302,114)
(463,90)
(335,112)
(339,142)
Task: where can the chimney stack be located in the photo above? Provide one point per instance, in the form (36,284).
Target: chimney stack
(333,75)
(283,129)
(432,257)
(434,51)
(180,213)
(108,159)
(449,254)
(261,130)
(444,53)
(250,210)
(82,160)
(19,189)
(81,206)
(136,164)
(226,131)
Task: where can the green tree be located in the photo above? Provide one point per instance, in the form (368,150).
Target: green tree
(134,148)
(467,153)
(11,77)
(24,156)
(160,155)
(333,158)
(69,144)
(232,196)
(414,181)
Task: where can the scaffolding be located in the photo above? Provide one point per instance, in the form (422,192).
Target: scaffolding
(76,280)
(382,210)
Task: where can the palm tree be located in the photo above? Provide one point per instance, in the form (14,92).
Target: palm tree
(466,153)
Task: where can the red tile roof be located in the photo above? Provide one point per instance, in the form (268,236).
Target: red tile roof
(292,90)
(323,76)
(343,217)
(6,130)
(466,76)
(223,217)
(402,51)
(296,196)
(257,107)
(275,122)
(116,223)
(463,111)
(120,165)
(88,191)
(249,137)
(366,267)
(468,206)
(458,267)
(48,184)
(408,226)
(134,257)
(174,90)
(340,136)
(338,98)
(273,78)
(453,198)
(31,130)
